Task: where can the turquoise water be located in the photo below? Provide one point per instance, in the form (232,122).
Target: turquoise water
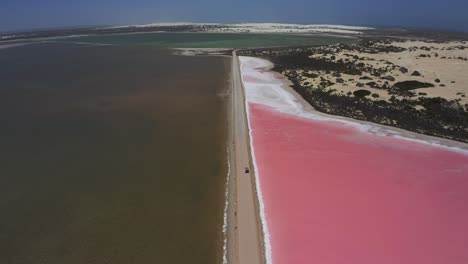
(209,40)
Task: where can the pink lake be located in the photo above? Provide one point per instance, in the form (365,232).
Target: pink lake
(334,194)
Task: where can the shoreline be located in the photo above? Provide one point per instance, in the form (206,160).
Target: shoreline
(262,221)
(230,232)
(227,217)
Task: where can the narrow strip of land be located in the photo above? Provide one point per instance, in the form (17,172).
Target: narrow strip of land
(249,242)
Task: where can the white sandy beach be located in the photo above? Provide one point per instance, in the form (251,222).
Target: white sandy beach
(260,27)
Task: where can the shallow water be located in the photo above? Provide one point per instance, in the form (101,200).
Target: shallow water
(209,40)
(111,155)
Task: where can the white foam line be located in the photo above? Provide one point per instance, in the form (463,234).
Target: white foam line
(226,207)
(263,218)
(266,233)
(78,43)
(432,143)
(272,93)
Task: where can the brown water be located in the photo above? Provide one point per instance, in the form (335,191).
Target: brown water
(111,155)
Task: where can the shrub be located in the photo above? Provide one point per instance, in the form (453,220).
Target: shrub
(361,93)
(411,85)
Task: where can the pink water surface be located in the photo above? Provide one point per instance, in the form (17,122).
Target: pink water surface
(251,79)
(333,194)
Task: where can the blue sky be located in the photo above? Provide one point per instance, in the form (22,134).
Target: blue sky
(29,14)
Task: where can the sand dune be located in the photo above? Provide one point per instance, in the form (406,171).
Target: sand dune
(259,27)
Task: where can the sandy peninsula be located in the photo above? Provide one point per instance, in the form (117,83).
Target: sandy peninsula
(7,46)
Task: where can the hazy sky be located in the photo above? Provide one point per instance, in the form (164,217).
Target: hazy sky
(28,14)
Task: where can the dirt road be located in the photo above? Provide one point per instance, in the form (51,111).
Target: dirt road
(248,232)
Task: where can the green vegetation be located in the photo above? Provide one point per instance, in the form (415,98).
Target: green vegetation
(361,93)
(209,40)
(412,85)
